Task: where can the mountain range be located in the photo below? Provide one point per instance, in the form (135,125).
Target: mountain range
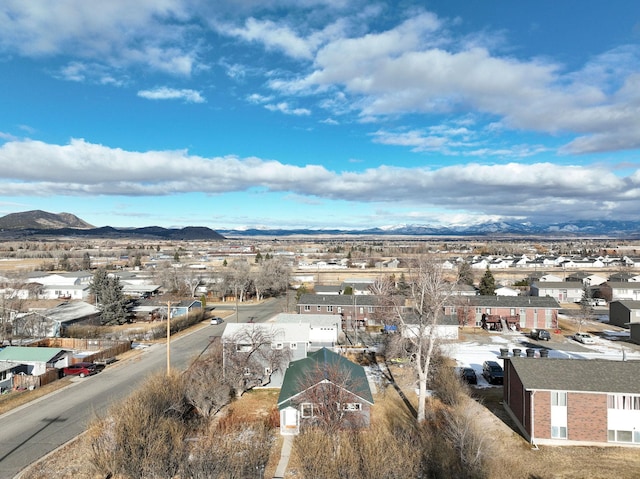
(41,223)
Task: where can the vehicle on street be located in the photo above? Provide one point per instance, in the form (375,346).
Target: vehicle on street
(584,338)
(81,369)
(217,320)
(540,334)
(492,372)
(597,302)
(468,375)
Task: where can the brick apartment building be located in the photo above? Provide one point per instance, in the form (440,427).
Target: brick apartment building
(574,401)
(517,311)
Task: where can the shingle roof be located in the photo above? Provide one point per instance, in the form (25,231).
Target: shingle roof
(323,358)
(337,299)
(629,304)
(509,301)
(585,375)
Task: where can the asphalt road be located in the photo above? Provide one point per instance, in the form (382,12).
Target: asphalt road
(30,432)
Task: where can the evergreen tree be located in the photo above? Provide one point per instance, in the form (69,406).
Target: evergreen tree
(487,283)
(109,298)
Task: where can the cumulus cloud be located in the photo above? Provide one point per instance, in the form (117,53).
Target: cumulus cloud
(536,191)
(117,32)
(164,93)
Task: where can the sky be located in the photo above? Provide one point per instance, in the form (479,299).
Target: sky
(320,113)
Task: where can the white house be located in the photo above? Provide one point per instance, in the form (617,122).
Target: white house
(324,329)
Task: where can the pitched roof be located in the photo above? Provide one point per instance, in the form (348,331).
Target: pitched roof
(19,354)
(322,359)
(509,301)
(585,375)
(337,299)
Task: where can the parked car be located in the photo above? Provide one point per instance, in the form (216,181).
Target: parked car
(217,320)
(492,372)
(597,302)
(81,369)
(540,334)
(468,375)
(584,338)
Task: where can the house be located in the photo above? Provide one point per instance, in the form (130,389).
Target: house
(446,328)
(51,323)
(185,307)
(623,277)
(502,312)
(264,350)
(7,370)
(310,381)
(461,289)
(586,278)
(617,291)
(506,291)
(327,289)
(562,291)
(622,313)
(325,330)
(35,361)
(574,401)
(72,285)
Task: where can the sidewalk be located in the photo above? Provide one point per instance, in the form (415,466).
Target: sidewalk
(285,453)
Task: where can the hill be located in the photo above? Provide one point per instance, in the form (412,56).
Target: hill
(38,219)
(40,224)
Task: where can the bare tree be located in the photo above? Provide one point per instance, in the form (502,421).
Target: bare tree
(252,355)
(586,309)
(428,293)
(272,277)
(238,278)
(327,387)
(205,385)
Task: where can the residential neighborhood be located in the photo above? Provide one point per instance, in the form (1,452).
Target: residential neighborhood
(342,325)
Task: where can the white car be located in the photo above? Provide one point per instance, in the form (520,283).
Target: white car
(584,338)
(597,302)
(216,320)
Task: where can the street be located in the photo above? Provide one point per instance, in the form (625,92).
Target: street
(30,432)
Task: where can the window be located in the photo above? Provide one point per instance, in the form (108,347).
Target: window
(330,309)
(307,307)
(626,402)
(267,371)
(293,345)
(558,432)
(352,406)
(277,345)
(558,398)
(339,309)
(306,410)
(243,347)
(488,310)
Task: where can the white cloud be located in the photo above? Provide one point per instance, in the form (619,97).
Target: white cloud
(541,191)
(284,107)
(117,32)
(164,93)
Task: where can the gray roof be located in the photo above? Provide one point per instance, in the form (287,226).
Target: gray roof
(558,285)
(583,375)
(629,304)
(337,299)
(509,301)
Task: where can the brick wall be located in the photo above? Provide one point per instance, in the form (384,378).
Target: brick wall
(542,414)
(587,417)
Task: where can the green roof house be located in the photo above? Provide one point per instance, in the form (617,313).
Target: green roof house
(324,389)
(35,360)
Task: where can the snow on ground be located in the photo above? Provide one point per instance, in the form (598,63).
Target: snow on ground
(474,353)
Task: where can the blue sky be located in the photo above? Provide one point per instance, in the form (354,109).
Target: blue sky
(320,113)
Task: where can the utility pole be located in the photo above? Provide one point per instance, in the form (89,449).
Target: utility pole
(168,338)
